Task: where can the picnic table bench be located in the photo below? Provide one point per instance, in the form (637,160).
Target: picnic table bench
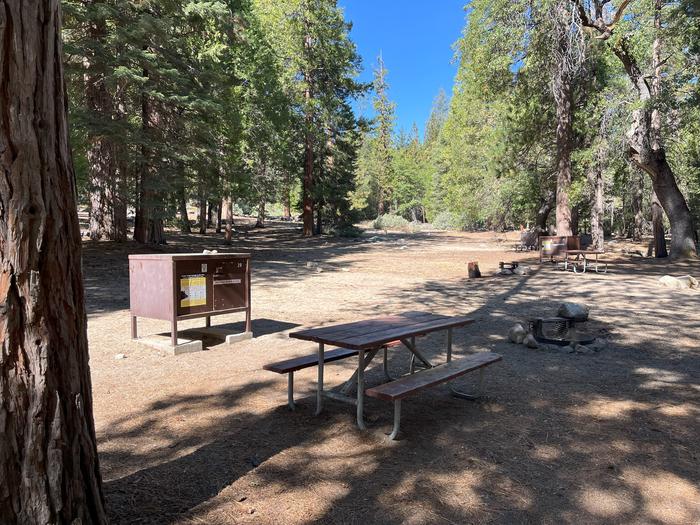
(364,339)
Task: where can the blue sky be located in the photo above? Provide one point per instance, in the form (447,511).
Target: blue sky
(415,38)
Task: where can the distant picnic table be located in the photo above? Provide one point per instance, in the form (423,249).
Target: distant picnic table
(581,260)
(365,339)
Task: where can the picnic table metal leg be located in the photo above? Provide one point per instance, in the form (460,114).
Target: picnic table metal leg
(449,345)
(319,389)
(385,365)
(290,391)
(397,419)
(471,397)
(351,383)
(411,345)
(361,390)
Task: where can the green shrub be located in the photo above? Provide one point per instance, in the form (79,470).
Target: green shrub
(391,222)
(348,231)
(446,220)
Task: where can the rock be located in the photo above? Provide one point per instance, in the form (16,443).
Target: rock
(530,341)
(120,356)
(550,348)
(319,269)
(598,345)
(521,270)
(517,333)
(575,311)
(679,283)
(568,349)
(311,264)
(583,349)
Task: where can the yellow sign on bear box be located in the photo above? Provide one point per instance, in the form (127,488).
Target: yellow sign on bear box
(193,290)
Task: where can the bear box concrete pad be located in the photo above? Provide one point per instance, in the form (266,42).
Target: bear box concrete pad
(220,333)
(163,342)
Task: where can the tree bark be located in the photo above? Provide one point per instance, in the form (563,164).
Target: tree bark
(148,225)
(637,194)
(120,187)
(260,221)
(210,214)
(286,202)
(229,219)
(219,213)
(657,224)
(202,211)
(100,152)
(563,98)
(546,205)
(185,226)
(308,182)
(48,454)
(319,218)
(595,179)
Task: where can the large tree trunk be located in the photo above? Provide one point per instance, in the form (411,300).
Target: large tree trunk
(595,179)
(657,224)
(48,454)
(319,218)
(260,221)
(636,229)
(229,219)
(148,225)
(202,211)
(219,213)
(563,97)
(653,162)
(286,201)
(562,90)
(210,214)
(546,205)
(119,189)
(308,181)
(100,152)
(117,197)
(185,226)
(308,202)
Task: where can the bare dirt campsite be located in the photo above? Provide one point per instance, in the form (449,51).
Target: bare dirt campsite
(206,437)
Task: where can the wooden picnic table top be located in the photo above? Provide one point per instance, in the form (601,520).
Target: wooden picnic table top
(374,332)
(586,252)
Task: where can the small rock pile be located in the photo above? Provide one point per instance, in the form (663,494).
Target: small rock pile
(520,333)
(518,270)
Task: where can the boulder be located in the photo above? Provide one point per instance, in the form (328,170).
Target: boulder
(687,282)
(521,270)
(530,341)
(517,333)
(575,311)
(568,349)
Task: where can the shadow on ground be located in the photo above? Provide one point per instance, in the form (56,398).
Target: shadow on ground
(560,438)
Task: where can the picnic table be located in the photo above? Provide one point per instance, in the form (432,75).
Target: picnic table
(365,339)
(580,260)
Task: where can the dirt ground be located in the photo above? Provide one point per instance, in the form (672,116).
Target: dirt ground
(206,438)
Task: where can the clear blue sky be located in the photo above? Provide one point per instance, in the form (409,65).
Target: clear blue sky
(415,38)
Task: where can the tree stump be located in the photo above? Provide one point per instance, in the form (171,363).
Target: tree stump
(473,269)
